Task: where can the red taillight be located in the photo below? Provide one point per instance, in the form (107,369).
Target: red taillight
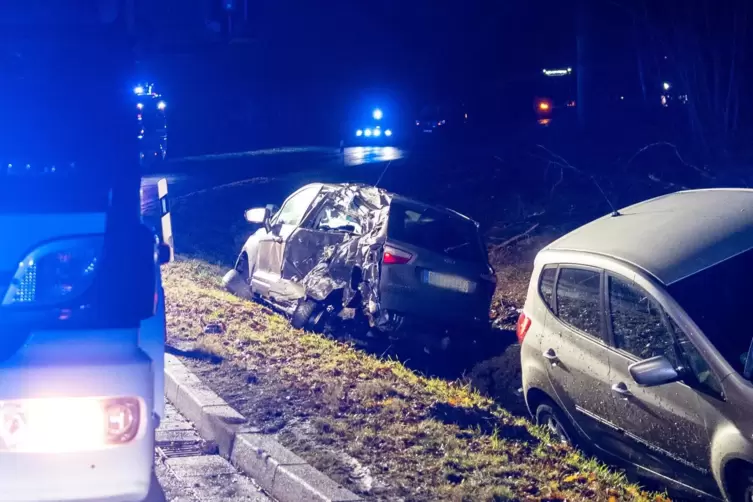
(394,256)
(524,322)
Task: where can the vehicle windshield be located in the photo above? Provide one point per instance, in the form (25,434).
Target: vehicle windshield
(63,89)
(717,299)
(440,231)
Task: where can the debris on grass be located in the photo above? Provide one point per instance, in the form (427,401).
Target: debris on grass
(356,416)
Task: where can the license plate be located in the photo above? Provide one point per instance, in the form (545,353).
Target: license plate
(447,281)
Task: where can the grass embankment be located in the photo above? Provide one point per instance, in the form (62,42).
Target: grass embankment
(372,424)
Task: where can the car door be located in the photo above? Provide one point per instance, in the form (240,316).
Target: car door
(663,427)
(329,225)
(574,345)
(271,247)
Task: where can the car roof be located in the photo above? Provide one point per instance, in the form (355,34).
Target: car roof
(672,236)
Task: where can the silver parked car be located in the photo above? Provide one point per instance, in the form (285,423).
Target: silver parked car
(635,339)
(399,262)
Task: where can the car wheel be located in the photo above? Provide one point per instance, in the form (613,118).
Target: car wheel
(551,417)
(305,313)
(743,486)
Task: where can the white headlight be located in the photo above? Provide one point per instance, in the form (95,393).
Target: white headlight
(388,133)
(57,425)
(367,132)
(377,132)
(359,133)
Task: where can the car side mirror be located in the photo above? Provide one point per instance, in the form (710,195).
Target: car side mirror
(273,208)
(259,215)
(653,371)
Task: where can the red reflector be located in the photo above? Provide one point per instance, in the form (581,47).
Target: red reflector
(524,322)
(394,256)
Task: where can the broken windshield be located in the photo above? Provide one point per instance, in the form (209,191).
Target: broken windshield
(717,299)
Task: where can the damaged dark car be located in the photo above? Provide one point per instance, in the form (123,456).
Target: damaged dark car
(357,251)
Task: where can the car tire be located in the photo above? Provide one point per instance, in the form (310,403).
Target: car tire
(554,420)
(304,313)
(742,485)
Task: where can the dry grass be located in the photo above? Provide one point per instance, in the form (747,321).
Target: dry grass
(420,439)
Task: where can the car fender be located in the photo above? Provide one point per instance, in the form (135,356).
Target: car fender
(728,444)
(534,377)
(251,248)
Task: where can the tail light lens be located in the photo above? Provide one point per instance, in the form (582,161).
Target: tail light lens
(524,322)
(393,256)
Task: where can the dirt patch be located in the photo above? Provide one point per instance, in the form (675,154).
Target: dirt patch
(382,430)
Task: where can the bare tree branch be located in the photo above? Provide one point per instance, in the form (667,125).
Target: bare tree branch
(677,154)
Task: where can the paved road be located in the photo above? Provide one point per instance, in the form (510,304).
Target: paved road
(187,472)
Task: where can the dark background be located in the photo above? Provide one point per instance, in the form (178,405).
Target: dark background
(290,72)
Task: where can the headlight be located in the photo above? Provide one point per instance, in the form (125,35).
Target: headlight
(161,105)
(377,132)
(68,424)
(388,133)
(359,132)
(367,132)
(55,272)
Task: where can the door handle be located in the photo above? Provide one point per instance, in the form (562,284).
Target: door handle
(551,356)
(621,390)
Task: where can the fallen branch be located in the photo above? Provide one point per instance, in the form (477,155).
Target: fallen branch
(516,238)
(563,163)
(703,172)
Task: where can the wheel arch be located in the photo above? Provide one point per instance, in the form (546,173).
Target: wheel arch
(730,471)
(534,397)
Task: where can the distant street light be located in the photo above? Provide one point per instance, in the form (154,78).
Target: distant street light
(377,114)
(666,86)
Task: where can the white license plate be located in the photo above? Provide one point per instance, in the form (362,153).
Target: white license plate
(447,281)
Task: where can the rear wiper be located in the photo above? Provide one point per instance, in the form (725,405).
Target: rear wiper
(452,248)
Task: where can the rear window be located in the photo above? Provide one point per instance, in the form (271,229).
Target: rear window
(436,230)
(546,285)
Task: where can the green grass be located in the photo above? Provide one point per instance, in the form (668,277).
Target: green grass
(425,439)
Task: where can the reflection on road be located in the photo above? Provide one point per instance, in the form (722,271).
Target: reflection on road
(359,155)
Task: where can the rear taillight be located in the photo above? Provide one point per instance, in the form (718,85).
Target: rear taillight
(524,322)
(394,256)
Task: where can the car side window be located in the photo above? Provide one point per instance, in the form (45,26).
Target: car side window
(334,218)
(295,208)
(638,322)
(697,366)
(546,285)
(578,299)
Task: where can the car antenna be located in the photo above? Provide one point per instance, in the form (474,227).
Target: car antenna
(615,212)
(381,175)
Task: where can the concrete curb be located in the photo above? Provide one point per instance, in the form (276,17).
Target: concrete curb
(279,471)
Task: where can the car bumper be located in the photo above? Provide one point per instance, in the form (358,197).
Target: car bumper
(102,472)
